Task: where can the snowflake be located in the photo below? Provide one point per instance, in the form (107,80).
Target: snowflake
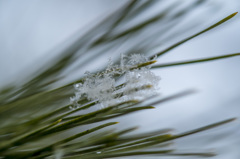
(139,83)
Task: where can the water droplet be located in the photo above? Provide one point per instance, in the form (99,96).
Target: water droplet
(99,152)
(77,86)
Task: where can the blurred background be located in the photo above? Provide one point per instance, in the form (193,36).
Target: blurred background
(33,33)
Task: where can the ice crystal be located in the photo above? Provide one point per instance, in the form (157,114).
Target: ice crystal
(143,80)
(139,83)
(135,59)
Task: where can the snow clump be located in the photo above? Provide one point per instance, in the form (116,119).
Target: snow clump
(139,83)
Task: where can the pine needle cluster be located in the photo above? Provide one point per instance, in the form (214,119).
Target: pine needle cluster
(38,121)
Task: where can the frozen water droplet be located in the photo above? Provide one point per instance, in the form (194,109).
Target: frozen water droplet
(77,86)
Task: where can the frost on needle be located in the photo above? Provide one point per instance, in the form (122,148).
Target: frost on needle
(139,83)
